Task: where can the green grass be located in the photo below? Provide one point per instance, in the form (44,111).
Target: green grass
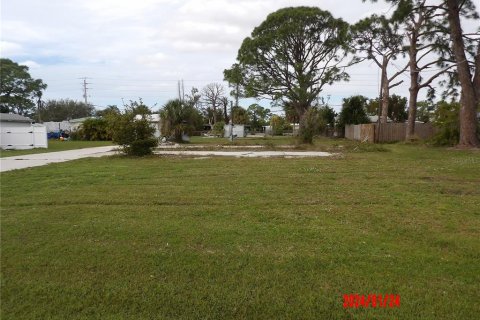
(284,143)
(56,145)
(258,140)
(221,238)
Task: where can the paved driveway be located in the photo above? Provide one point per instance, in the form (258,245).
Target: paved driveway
(41,159)
(247,154)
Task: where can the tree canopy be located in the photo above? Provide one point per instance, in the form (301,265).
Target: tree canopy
(178,117)
(65,109)
(18,90)
(292,55)
(353,111)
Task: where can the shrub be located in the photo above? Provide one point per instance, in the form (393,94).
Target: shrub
(448,123)
(278,125)
(134,134)
(310,125)
(219,128)
(93,130)
(141,147)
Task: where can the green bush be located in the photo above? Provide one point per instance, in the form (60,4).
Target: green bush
(178,118)
(219,128)
(93,130)
(448,123)
(141,147)
(134,134)
(278,125)
(353,111)
(309,125)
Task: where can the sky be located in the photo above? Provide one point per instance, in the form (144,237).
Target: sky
(140,49)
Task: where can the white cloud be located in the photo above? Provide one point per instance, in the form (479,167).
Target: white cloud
(125,45)
(30,64)
(9,48)
(153,60)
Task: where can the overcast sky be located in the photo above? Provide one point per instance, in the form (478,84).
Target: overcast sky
(141,48)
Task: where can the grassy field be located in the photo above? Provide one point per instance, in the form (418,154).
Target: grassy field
(221,238)
(56,145)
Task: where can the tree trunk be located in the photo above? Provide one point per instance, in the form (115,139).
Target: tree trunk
(301,111)
(225,114)
(469,100)
(237,94)
(385,92)
(214,113)
(414,87)
(412,102)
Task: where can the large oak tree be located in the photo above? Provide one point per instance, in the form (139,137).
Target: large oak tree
(19,92)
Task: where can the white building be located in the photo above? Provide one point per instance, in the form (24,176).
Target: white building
(154,120)
(19,132)
(238,131)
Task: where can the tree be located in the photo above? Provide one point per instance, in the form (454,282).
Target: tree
(111,109)
(426,35)
(138,108)
(327,115)
(425,111)
(178,118)
(94,130)
(109,114)
(379,38)
(212,97)
(468,73)
(234,77)
(278,125)
(240,115)
(446,119)
(464,53)
(397,105)
(225,103)
(292,55)
(397,108)
(65,109)
(258,116)
(134,134)
(353,111)
(194,98)
(18,90)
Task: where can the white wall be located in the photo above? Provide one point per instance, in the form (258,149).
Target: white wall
(16,135)
(53,126)
(238,130)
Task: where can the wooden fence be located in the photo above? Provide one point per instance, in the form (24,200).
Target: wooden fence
(388,132)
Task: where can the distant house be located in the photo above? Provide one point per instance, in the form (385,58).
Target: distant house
(66,125)
(76,123)
(154,120)
(19,132)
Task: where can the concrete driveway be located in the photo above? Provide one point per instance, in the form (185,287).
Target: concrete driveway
(41,159)
(247,154)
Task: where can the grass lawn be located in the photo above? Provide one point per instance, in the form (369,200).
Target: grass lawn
(221,238)
(56,145)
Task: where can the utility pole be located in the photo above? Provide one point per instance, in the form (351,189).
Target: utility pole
(179,94)
(85,88)
(231,121)
(183,91)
